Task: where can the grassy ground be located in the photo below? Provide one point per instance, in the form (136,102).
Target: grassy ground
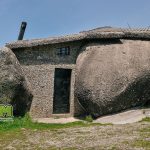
(24,134)
(27,123)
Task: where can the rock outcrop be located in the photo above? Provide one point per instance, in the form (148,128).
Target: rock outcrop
(13,85)
(113,76)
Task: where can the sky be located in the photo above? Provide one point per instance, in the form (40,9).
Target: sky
(47,18)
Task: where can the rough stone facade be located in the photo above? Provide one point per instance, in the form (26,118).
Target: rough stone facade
(39,65)
(109,70)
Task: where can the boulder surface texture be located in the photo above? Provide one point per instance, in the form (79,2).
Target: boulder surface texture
(13,86)
(113,76)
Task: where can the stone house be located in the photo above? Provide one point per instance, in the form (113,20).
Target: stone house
(49,66)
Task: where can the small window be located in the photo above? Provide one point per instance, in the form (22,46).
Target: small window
(63,51)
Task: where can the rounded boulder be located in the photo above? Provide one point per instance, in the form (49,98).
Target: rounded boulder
(113,76)
(13,85)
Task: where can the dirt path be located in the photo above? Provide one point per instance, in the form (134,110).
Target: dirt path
(128,116)
(134,136)
(56,120)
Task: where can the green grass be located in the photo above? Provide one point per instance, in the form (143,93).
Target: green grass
(26,122)
(142,144)
(144,133)
(147,130)
(6,110)
(147,119)
(89,118)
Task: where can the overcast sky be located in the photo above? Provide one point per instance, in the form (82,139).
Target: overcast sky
(60,17)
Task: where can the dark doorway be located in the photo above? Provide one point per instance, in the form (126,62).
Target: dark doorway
(61,102)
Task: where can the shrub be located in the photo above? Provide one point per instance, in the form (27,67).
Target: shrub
(89,118)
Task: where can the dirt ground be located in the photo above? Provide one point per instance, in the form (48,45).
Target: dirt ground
(134,136)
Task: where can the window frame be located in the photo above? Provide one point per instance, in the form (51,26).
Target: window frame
(63,51)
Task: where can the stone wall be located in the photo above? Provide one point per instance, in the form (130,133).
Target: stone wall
(47,54)
(39,65)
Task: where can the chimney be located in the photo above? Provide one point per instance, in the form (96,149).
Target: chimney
(22,30)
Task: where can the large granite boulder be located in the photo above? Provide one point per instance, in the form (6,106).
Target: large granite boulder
(113,76)
(13,86)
